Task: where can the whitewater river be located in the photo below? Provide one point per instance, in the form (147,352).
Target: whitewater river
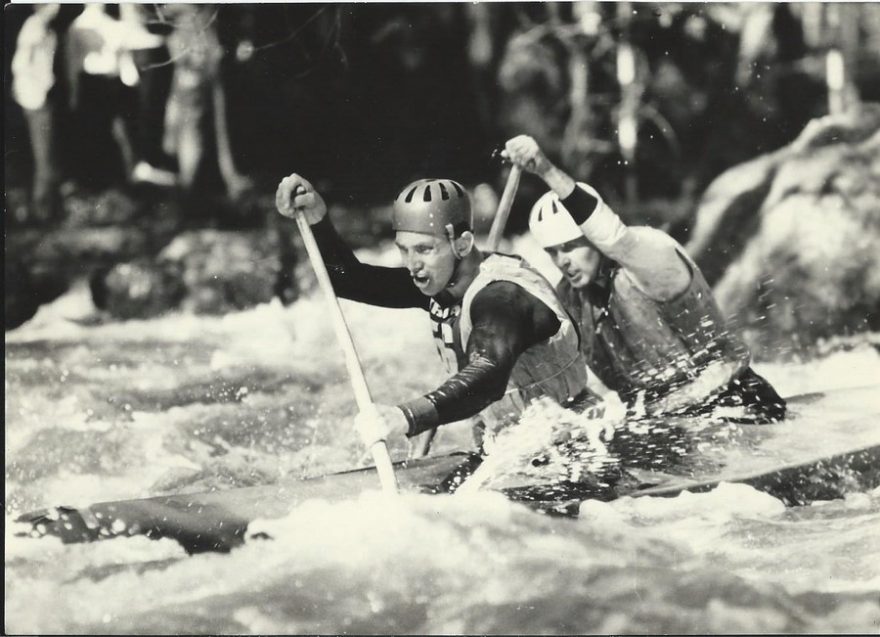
(183,403)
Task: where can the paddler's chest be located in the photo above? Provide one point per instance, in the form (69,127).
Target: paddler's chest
(447,335)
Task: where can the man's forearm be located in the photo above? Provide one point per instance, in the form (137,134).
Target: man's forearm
(465,394)
(598,222)
(558,180)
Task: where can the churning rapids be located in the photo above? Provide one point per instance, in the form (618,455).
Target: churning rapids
(184,403)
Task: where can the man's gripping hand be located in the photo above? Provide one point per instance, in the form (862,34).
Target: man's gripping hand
(296,194)
(377,422)
(524,151)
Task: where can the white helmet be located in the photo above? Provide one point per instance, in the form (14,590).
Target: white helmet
(551,224)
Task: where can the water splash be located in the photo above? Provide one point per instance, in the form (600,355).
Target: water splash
(548,444)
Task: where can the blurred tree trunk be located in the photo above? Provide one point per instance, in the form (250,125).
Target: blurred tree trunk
(850,43)
(836,29)
(236,183)
(481,54)
(631,89)
(576,140)
(579,139)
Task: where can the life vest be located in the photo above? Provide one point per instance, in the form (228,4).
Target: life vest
(665,355)
(554,368)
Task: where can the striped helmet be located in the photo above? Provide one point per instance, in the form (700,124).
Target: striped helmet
(439,207)
(551,224)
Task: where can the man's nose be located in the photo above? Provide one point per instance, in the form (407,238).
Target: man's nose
(413,262)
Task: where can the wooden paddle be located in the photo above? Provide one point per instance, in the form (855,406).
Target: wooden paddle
(421,444)
(504,206)
(355,372)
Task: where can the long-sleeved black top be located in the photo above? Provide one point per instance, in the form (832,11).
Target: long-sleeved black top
(507,320)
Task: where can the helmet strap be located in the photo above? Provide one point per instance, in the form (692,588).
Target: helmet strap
(450,234)
(460,258)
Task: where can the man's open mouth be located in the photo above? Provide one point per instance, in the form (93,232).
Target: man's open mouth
(420,279)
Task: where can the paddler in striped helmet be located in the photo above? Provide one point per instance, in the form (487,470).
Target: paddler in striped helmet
(651,328)
(500,330)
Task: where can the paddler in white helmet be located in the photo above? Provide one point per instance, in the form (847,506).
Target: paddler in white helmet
(500,330)
(651,328)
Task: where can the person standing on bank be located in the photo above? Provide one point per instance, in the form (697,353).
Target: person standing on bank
(499,328)
(34,89)
(651,328)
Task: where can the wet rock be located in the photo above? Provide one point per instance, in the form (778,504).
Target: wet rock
(90,245)
(106,208)
(224,271)
(25,290)
(139,289)
(42,264)
(790,239)
(200,271)
(17,208)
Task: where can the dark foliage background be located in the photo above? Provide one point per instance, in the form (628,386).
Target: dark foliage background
(370,95)
(363,98)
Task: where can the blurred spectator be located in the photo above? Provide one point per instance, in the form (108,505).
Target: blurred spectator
(197,102)
(154,69)
(101,73)
(33,79)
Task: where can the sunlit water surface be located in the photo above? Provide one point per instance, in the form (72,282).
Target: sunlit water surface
(185,403)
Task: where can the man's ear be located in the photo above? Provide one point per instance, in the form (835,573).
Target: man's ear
(464,243)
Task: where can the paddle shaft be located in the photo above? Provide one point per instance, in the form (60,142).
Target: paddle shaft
(355,372)
(504,206)
(422,444)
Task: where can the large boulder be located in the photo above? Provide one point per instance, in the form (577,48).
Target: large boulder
(111,207)
(26,289)
(225,270)
(43,262)
(139,289)
(791,240)
(199,271)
